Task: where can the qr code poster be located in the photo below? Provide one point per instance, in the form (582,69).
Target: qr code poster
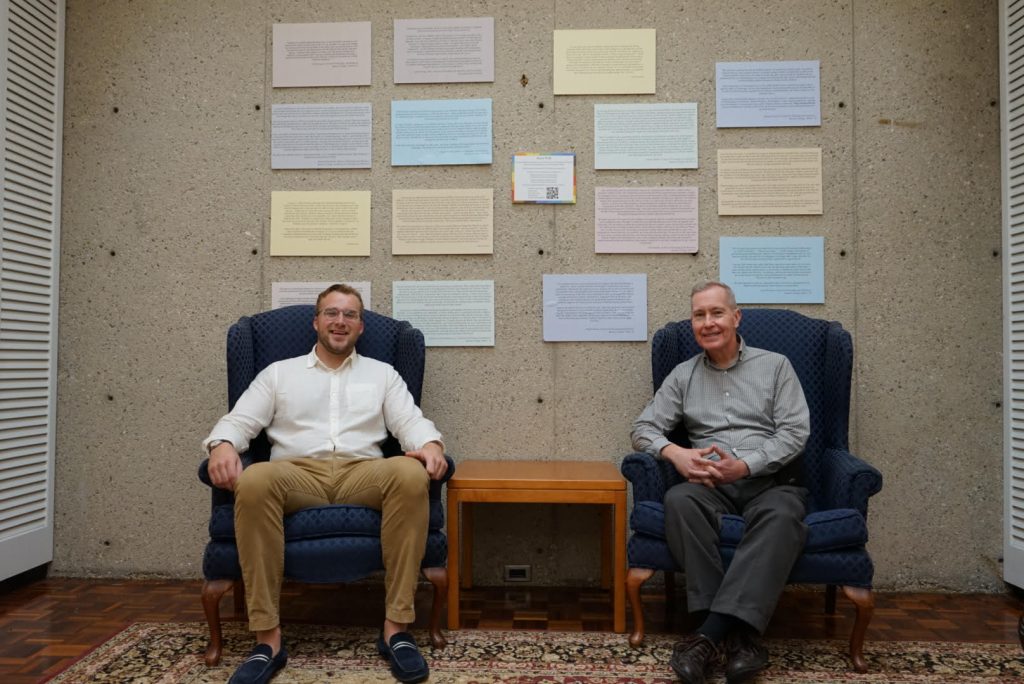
(544,178)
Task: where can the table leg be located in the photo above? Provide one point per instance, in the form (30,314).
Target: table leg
(619,579)
(453,559)
(607,547)
(467,544)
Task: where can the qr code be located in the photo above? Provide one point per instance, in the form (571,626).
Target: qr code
(553,192)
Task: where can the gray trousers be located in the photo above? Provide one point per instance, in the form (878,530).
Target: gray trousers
(774,537)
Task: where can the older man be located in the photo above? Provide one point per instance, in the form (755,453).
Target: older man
(746,418)
(326,415)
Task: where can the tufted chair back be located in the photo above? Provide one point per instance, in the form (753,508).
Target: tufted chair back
(255,342)
(326,544)
(838,482)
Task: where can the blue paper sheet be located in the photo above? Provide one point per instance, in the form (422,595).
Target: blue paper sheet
(774,270)
(433,132)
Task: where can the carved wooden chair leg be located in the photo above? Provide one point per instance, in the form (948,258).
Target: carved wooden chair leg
(830,599)
(670,599)
(1020,631)
(213,591)
(865,602)
(439,578)
(239,598)
(634,579)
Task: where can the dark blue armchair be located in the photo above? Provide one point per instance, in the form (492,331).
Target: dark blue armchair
(327,544)
(839,483)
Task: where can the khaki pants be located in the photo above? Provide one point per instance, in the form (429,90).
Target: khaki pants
(266,492)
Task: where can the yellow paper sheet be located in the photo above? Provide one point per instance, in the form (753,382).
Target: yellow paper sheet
(442,221)
(769,181)
(604,62)
(320,223)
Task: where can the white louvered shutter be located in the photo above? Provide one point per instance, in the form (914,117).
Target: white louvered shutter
(1011,67)
(31,78)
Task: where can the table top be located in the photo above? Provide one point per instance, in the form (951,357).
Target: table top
(478,474)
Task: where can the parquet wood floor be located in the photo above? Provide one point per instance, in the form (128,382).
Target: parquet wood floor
(47,624)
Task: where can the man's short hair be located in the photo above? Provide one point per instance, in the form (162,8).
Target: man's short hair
(343,289)
(707,285)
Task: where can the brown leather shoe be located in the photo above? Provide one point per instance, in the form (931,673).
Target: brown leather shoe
(745,656)
(693,657)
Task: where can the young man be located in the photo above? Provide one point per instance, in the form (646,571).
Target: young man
(746,418)
(326,415)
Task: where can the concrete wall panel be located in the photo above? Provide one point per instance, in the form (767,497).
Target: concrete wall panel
(166,210)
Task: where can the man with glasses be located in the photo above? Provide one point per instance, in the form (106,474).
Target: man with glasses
(747,419)
(326,415)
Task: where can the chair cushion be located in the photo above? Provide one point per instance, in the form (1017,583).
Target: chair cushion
(840,528)
(319,522)
(338,559)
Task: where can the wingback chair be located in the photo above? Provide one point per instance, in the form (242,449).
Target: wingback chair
(326,544)
(839,483)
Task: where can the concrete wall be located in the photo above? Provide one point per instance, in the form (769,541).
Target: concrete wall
(165,229)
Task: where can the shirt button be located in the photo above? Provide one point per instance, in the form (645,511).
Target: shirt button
(726,394)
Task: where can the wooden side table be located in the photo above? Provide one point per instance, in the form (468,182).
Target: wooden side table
(554,482)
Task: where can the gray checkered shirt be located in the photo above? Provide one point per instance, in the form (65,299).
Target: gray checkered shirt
(755,409)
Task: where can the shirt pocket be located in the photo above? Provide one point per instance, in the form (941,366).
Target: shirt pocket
(362,397)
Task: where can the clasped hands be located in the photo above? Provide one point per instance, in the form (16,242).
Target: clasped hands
(696,466)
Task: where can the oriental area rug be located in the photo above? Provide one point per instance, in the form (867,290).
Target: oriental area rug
(172,653)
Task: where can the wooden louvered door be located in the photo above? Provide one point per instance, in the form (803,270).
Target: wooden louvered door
(31,78)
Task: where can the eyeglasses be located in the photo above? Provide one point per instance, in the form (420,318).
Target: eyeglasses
(347,314)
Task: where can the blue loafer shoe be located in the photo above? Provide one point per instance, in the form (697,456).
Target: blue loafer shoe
(407,664)
(260,666)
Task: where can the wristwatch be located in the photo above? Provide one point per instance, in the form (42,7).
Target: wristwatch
(214,444)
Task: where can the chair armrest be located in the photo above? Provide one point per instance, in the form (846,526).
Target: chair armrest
(650,477)
(847,481)
(220,496)
(437,485)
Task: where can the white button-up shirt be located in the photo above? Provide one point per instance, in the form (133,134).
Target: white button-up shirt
(312,411)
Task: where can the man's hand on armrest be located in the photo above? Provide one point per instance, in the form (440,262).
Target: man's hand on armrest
(431,455)
(225,466)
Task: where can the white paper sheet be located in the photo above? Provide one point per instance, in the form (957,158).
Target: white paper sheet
(444,50)
(645,136)
(759,94)
(321,136)
(450,313)
(544,178)
(287,293)
(645,220)
(595,308)
(329,54)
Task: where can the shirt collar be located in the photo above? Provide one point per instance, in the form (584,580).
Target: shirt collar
(739,357)
(313,361)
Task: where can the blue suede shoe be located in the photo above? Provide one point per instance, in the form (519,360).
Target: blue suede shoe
(407,664)
(260,666)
